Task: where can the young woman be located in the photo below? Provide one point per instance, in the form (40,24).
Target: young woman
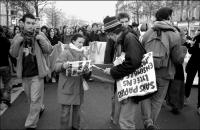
(70,88)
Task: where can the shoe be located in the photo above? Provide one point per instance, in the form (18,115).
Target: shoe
(151,127)
(41,112)
(186,101)
(30,128)
(53,80)
(73,128)
(90,80)
(198,111)
(175,111)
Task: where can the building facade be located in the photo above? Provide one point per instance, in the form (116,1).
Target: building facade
(186,12)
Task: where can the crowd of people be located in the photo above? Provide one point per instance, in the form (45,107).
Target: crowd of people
(25,51)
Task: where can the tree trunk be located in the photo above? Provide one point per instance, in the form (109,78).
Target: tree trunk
(7,14)
(36,8)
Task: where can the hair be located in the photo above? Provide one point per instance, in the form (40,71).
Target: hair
(44,27)
(76,36)
(20,20)
(82,29)
(123,15)
(49,30)
(94,24)
(144,27)
(15,27)
(28,15)
(58,31)
(163,14)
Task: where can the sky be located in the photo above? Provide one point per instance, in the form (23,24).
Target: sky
(91,11)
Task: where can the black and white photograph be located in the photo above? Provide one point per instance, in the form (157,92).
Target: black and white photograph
(99,64)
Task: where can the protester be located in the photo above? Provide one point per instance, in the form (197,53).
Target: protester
(53,40)
(5,74)
(57,33)
(133,55)
(29,48)
(150,108)
(135,28)
(70,88)
(16,30)
(124,19)
(193,66)
(143,29)
(44,29)
(93,35)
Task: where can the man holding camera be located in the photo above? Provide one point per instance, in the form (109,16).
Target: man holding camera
(29,49)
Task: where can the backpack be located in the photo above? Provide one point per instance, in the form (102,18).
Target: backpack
(160,49)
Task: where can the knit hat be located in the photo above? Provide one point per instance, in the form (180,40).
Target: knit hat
(111,24)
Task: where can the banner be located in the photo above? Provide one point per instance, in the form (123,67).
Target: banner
(139,83)
(77,68)
(95,52)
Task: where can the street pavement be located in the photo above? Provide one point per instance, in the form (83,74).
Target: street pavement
(95,113)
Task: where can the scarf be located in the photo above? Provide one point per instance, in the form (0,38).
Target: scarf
(29,39)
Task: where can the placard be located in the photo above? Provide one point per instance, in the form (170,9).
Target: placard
(95,52)
(139,83)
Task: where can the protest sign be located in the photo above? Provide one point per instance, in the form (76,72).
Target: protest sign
(95,52)
(77,68)
(141,82)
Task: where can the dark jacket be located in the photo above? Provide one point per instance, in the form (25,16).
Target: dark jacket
(53,40)
(94,37)
(195,51)
(134,52)
(4,51)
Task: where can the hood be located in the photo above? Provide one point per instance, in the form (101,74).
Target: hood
(163,25)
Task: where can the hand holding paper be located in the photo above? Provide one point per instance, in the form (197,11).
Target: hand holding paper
(107,71)
(65,65)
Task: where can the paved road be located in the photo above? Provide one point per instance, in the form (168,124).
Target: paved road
(95,111)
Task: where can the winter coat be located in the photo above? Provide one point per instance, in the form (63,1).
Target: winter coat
(174,39)
(41,47)
(70,89)
(4,51)
(133,55)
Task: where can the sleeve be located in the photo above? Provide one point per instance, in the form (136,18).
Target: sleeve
(15,45)
(60,60)
(133,57)
(45,44)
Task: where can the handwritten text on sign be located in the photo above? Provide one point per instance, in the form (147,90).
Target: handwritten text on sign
(95,52)
(139,83)
(77,68)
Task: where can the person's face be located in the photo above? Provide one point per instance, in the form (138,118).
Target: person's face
(112,36)
(80,32)
(79,42)
(44,30)
(55,31)
(29,24)
(17,30)
(21,24)
(124,22)
(95,28)
(51,32)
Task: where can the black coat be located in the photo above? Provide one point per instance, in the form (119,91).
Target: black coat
(4,51)
(134,52)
